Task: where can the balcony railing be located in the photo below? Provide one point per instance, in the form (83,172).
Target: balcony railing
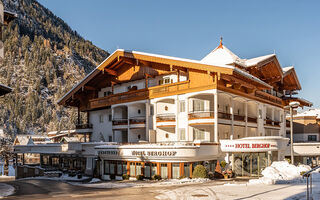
(169,88)
(138,120)
(223,115)
(166,117)
(252,119)
(119,98)
(119,122)
(266,96)
(83,126)
(201,114)
(239,118)
(276,123)
(269,122)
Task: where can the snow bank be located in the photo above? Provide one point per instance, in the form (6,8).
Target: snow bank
(281,172)
(64,177)
(95,180)
(6,190)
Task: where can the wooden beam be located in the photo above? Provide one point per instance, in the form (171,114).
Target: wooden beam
(110,71)
(87,87)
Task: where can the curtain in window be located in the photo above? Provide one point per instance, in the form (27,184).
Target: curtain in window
(153,169)
(198,134)
(138,169)
(164,171)
(198,105)
(175,171)
(132,169)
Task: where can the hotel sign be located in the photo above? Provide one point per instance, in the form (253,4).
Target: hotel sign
(154,153)
(136,153)
(248,145)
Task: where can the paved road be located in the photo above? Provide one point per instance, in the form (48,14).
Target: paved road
(49,189)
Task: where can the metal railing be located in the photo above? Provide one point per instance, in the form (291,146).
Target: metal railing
(308,175)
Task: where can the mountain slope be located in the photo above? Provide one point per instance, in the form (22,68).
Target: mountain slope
(43,59)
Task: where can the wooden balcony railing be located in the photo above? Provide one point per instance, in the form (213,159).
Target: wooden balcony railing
(119,122)
(83,126)
(166,118)
(119,98)
(140,120)
(223,115)
(239,118)
(201,114)
(269,121)
(252,119)
(266,96)
(169,88)
(137,95)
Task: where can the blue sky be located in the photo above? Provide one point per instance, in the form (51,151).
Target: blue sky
(191,29)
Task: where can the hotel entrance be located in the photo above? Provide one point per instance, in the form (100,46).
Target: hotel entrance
(250,164)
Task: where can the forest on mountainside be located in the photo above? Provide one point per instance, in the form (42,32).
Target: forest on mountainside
(43,59)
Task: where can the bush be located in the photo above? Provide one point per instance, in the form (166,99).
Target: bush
(223,164)
(139,177)
(125,177)
(211,175)
(200,172)
(301,173)
(182,177)
(156,177)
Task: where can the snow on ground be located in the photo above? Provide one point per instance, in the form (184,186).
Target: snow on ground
(281,172)
(6,190)
(64,177)
(144,183)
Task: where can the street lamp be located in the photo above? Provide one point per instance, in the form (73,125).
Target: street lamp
(293,104)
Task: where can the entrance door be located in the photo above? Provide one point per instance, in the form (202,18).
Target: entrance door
(249,164)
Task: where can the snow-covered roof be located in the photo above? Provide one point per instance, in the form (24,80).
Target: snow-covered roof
(254,61)
(286,69)
(221,55)
(310,113)
(71,139)
(31,139)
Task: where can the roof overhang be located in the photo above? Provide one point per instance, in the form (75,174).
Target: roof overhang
(121,54)
(292,72)
(4,89)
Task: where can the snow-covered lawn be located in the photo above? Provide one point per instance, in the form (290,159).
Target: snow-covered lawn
(97,183)
(281,181)
(64,177)
(5,190)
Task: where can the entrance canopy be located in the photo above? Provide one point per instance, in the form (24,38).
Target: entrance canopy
(254,144)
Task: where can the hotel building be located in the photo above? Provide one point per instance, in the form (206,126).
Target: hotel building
(153,114)
(306,140)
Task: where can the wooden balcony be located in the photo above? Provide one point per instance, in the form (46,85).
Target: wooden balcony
(270,122)
(83,126)
(173,88)
(252,119)
(140,120)
(269,97)
(119,98)
(136,95)
(201,115)
(223,115)
(117,122)
(239,118)
(166,117)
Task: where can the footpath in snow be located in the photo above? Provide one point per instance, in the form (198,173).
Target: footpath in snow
(97,183)
(6,190)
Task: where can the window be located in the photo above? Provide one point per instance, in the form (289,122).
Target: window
(164,81)
(182,134)
(198,134)
(182,106)
(106,167)
(151,110)
(260,114)
(105,94)
(101,118)
(312,137)
(110,118)
(110,138)
(139,111)
(198,105)
(175,170)
(164,171)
